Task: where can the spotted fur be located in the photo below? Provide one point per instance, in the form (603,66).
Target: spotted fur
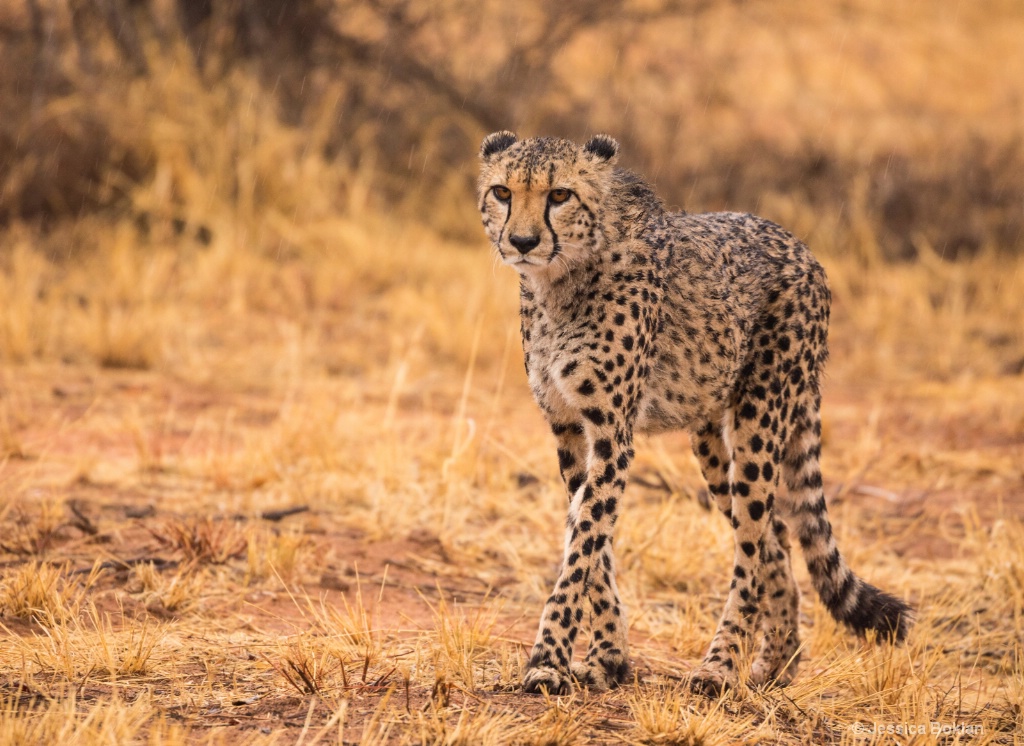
(636,319)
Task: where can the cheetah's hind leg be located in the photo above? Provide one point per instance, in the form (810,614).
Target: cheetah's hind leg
(779,656)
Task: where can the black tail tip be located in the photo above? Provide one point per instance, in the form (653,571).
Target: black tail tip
(889,617)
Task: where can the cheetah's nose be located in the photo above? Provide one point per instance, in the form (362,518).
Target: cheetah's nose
(524,244)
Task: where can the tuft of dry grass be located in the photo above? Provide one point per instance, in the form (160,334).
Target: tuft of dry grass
(462,643)
(168,595)
(203,541)
(276,554)
(667,717)
(32,535)
(61,720)
(40,592)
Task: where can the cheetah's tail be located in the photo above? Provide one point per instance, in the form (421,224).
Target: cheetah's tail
(858,604)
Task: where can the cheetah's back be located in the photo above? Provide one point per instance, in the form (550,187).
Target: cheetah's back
(730,278)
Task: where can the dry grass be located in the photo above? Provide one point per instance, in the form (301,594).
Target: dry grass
(398,607)
(271,472)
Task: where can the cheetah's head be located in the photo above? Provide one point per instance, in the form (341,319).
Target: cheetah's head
(541,199)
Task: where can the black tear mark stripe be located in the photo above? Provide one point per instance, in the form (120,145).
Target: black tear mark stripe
(556,247)
(508,214)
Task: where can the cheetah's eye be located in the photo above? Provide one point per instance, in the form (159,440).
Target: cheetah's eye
(502,193)
(558,196)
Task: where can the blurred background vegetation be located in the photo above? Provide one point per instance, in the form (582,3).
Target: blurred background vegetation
(170,144)
(900,119)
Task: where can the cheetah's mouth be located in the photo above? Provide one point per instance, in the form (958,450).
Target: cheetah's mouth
(519,260)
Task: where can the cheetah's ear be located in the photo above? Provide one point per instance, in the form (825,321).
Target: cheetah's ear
(496,142)
(602,148)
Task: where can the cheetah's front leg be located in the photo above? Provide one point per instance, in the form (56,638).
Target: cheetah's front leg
(587,578)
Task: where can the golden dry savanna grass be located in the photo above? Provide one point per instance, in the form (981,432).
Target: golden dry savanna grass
(281,480)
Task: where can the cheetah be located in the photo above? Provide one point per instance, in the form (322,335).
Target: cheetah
(636,319)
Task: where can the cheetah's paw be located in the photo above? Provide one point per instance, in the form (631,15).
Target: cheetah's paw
(544,678)
(602,674)
(774,672)
(711,680)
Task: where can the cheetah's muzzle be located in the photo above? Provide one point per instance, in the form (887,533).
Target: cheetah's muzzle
(635,319)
